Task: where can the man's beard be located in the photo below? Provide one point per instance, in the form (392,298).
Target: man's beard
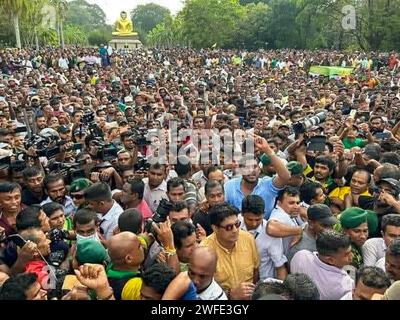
(60,200)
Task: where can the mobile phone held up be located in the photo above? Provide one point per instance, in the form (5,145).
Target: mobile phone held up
(17,239)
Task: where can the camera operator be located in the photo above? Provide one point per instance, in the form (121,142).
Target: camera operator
(105,172)
(57,234)
(64,133)
(54,186)
(50,278)
(57,220)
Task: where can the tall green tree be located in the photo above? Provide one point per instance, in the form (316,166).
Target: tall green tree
(251,30)
(207,22)
(31,20)
(15,8)
(88,16)
(169,33)
(147,17)
(61,7)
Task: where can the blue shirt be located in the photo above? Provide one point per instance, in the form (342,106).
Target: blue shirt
(190,293)
(264,188)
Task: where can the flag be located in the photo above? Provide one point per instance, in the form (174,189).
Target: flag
(214,45)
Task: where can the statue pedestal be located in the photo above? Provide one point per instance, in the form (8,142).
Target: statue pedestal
(125,42)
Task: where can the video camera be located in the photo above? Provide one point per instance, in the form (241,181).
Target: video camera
(161,215)
(302,126)
(70,171)
(141,136)
(42,146)
(141,165)
(88,120)
(57,235)
(106,151)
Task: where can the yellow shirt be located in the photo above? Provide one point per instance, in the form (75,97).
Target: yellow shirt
(238,265)
(342,192)
(132,289)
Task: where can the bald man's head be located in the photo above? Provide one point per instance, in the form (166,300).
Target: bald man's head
(204,256)
(202,267)
(125,249)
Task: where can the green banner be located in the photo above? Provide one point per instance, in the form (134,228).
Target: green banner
(330,71)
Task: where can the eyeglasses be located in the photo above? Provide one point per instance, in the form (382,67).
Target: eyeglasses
(77,196)
(229,227)
(379,190)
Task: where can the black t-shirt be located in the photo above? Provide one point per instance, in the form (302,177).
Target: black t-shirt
(28,198)
(203,219)
(368,203)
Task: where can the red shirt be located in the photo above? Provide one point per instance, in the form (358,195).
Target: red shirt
(144,210)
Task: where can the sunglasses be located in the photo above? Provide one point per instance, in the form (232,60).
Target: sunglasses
(229,227)
(77,196)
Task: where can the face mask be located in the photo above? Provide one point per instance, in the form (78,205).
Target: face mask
(94,236)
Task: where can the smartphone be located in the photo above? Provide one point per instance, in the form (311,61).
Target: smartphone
(17,239)
(316,143)
(20,129)
(382,135)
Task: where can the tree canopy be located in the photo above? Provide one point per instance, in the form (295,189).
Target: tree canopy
(252,24)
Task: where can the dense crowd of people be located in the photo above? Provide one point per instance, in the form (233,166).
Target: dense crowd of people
(183,174)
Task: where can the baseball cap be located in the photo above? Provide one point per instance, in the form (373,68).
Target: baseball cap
(321,213)
(295,168)
(79,185)
(90,251)
(393,182)
(63,129)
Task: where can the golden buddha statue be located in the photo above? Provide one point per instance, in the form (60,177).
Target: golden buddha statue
(124,26)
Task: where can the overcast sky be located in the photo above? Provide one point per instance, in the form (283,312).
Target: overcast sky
(112,8)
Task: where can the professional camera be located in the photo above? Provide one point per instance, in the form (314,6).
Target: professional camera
(303,126)
(56,291)
(88,118)
(57,235)
(161,215)
(44,143)
(56,258)
(141,165)
(141,136)
(70,171)
(39,143)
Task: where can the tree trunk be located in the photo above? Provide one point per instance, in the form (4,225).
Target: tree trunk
(58,34)
(62,34)
(36,40)
(15,19)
